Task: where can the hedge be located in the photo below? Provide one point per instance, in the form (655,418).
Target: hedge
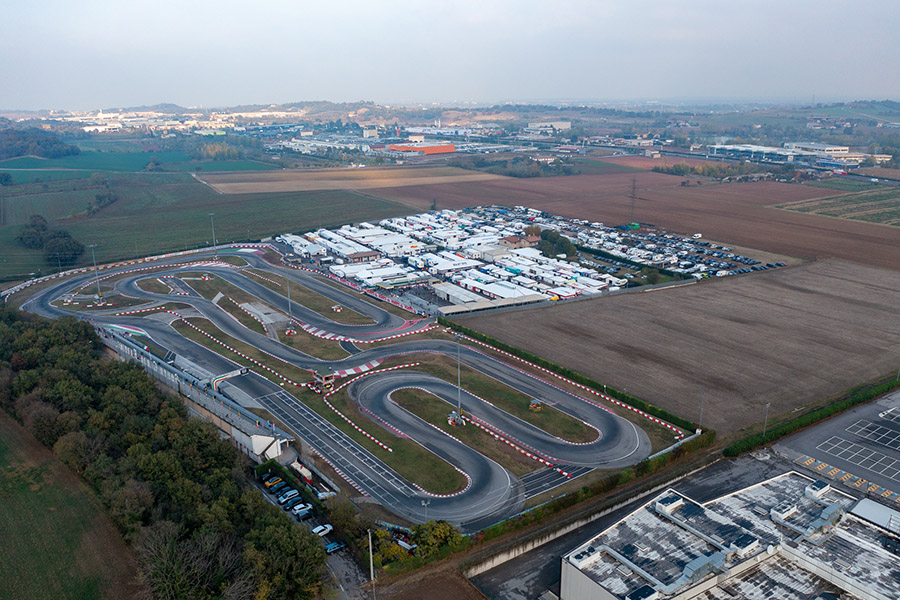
(602,486)
(850,399)
(273,466)
(573,375)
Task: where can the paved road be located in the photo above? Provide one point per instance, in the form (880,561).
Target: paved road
(493,493)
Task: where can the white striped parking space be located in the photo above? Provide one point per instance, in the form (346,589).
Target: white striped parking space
(878,434)
(862,457)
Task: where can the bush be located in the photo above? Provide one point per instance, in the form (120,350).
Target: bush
(849,400)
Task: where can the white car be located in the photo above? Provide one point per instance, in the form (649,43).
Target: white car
(323,530)
(300,508)
(285,497)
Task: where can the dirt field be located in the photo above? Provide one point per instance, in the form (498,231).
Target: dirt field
(57,541)
(792,337)
(735,213)
(337,179)
(881,172)
(450,585)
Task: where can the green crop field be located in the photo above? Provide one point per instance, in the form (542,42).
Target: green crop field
(57,542)
(129,162)
(881,205)
(159,212)
(846,185)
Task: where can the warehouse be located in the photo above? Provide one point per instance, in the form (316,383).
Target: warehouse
(789,537)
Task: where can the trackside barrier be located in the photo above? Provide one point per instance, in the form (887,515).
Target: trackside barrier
(189,385)
(478,423)
(346,418)
(250,314)
(236,351)
(679,433)
(154,267)
(122,263)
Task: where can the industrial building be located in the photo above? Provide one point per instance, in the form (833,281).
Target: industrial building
(789,537)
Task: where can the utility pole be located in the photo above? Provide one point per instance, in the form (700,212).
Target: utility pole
(633,196)
(458,379)
(700,424)
(213,225)
(290,309)
(766,423)
(94,257)
(371,566)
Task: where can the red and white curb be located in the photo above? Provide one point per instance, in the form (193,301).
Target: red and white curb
(679,432)
(261,277)
(154,267)
(238,352)
(321,333)
(360,369)
(342,474)
(250,314)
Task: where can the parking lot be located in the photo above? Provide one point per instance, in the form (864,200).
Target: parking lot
(862,444)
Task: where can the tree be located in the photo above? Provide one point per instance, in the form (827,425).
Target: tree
(6,179)
(63,249)
(533,230)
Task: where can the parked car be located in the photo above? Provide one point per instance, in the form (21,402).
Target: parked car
(293,502)
(301,507)
(323,530)
(277,487)
(273,481)
(304,514)
(334,547)
(269,477)
(288,495)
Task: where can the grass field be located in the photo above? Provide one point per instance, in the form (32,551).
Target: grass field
(313,301)
(793,338)
(167,212)
(435,411)
(881,205)
(57,542)
(131,162)
(845,185)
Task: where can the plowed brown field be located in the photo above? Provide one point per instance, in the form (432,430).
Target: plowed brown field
(251,182)
(792,337)
(734,213)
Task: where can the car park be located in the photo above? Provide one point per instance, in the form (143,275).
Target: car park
(323,530)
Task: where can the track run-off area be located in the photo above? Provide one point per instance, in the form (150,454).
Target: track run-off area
(491,492)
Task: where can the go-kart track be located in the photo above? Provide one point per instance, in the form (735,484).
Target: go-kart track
(492,493)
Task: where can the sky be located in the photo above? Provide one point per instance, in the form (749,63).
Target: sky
(91,54)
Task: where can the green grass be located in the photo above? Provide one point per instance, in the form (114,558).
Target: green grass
(881,205)
(435,411)
(512,401)
(166,212)
(153,285)
(310,344)
(312,300)
(97,161)
(46,527)
(847,185)
(26,177)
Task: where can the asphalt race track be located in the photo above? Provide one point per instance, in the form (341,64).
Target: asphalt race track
(492,493)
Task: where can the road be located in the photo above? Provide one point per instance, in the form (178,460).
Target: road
(493,493)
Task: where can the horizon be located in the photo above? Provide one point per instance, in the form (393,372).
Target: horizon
(220,54)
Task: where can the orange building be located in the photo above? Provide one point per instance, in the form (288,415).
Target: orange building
(424,149)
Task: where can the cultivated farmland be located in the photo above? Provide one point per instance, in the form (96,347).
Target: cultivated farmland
(880,205)
(734,213)
(792,337)
(338,179)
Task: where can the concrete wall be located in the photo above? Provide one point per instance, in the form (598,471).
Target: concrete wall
(575,585)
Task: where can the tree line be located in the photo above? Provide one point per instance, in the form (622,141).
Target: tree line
(59,246)
(33,142)
(179,494)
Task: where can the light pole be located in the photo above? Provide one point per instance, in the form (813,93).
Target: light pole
(290,313)
(458,379)
(371,566)
(700,424)
(766,422)
(425,503)
(212,224)
(94,257)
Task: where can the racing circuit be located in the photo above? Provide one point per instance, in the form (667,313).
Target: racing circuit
(492,493)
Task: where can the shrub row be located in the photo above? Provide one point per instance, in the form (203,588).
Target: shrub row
(573,375)
(852,398)
(602,486)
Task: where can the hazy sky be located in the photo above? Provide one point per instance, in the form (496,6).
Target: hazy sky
(88,54)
